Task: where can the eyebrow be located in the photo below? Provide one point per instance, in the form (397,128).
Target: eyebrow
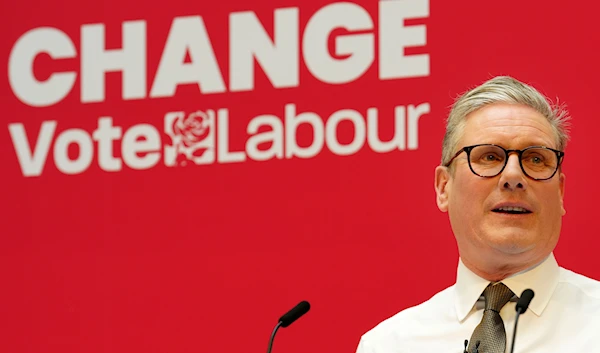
(521,146)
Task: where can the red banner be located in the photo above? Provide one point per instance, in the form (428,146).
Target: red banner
(177,176)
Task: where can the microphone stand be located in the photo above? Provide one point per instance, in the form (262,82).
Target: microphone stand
(512,348)
(273,336)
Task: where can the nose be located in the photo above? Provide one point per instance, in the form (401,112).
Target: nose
(512,177)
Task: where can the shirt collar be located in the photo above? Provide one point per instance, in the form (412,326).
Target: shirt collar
(542,279)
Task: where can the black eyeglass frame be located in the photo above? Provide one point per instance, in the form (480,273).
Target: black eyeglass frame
(559,155)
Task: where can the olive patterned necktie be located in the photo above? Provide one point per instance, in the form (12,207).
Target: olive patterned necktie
(490,332)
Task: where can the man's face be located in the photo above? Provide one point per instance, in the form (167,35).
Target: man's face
(486,237)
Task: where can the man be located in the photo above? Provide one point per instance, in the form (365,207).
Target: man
(501,183)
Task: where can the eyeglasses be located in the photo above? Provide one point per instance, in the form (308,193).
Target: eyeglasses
(487,160)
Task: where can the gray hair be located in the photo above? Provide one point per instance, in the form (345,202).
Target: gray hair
(502,89)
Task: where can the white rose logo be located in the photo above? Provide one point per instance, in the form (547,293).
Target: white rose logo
(192,138)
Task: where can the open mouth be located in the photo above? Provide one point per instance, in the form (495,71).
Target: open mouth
(511,210)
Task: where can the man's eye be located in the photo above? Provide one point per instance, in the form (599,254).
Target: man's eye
(537,160)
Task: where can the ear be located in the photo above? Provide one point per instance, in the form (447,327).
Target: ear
(561,188)
(442,177)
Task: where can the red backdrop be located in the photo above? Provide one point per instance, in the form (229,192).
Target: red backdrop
(111,244)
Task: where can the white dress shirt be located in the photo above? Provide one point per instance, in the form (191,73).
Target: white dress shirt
(564,315)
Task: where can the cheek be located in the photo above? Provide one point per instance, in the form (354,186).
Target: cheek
(466,199)
(469,201)
(557,209)
(552,208)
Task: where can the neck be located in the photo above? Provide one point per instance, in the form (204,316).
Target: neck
(497,271)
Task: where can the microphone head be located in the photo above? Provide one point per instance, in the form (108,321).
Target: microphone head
(288,318)
(524,300)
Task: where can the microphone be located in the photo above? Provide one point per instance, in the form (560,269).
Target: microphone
(475,350)
(524,301)
(521,308)
(288,318)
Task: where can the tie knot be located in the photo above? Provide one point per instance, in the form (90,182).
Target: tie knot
(496,296)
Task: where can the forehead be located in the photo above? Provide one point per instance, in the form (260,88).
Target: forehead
(508,125)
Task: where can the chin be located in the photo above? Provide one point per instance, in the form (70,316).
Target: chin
(513,243)
(513,248)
